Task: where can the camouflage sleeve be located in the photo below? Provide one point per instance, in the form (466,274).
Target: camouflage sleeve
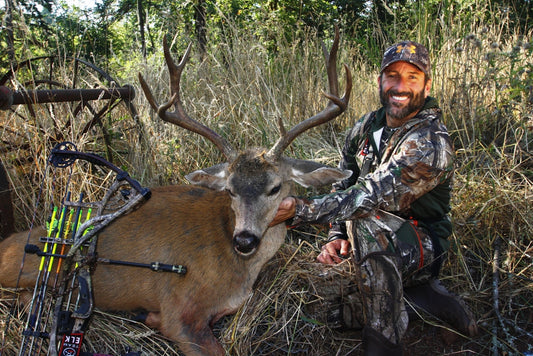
(348,161)
(349,152)
(422,161)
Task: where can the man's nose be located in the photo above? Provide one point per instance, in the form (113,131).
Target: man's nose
(401,85)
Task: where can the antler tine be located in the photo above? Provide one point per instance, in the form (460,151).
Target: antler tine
(331,63)
(335,107)
(179,116)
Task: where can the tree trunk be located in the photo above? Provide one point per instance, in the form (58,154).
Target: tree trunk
(200,19)
(10,40)
(141,18)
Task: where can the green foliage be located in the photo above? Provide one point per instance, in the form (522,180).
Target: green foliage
(111,28)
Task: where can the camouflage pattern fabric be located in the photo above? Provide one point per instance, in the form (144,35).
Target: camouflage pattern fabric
(403,188)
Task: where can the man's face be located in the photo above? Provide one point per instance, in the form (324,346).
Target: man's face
(402,91)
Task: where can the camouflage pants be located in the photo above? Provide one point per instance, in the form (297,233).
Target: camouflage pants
(384,265)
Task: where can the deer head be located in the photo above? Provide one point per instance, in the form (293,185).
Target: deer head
(257,179)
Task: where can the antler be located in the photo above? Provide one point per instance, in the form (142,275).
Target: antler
(335,107)
(179,116)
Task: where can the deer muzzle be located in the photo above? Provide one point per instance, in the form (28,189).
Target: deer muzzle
(245,243)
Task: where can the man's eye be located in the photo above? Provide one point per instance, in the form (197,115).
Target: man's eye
(275,190)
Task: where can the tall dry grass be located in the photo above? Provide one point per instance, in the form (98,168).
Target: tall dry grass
(483,80)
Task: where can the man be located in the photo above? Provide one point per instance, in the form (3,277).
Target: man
(393,209)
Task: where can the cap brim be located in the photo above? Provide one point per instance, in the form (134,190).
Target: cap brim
(419,66)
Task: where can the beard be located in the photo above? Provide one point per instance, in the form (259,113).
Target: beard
(399,111)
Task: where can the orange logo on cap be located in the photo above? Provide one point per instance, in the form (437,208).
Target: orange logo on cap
(411,48)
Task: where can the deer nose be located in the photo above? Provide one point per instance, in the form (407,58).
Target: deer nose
(245,242)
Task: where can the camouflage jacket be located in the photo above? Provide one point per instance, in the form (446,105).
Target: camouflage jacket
(409,177)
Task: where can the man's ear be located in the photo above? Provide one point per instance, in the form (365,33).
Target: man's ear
(427,88)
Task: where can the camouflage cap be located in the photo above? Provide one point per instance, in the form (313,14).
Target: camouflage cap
(407,51)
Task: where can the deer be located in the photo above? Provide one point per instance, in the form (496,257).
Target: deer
(218,226)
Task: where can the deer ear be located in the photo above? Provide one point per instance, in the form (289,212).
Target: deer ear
(312,174)
(213,177)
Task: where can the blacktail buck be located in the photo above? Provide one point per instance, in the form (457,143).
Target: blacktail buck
(218,228)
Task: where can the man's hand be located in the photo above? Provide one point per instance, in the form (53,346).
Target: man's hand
(286,210)
(331,251)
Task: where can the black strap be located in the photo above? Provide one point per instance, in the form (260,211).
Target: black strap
(438,251)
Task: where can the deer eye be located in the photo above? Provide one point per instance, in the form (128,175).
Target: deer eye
(230,192)
(275,190)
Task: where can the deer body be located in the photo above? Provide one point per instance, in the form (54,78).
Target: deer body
(192,226)
(218,228)
(185,225)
